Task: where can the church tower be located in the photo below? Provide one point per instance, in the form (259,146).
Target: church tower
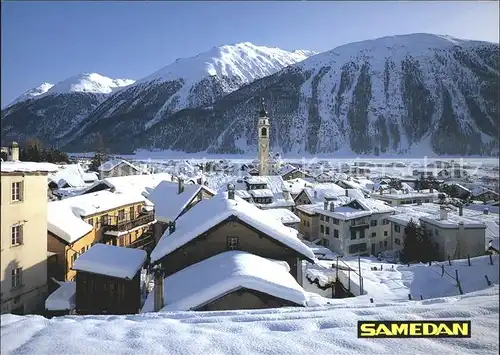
(263,134)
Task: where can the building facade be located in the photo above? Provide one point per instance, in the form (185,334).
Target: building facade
(23,236)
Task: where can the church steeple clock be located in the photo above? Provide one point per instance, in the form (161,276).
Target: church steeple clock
(263,134)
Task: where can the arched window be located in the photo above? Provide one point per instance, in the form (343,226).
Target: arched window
(263,132)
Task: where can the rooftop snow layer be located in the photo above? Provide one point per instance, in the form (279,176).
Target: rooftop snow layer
(64,217)
(224,273)
(283,215)
(211,212)
(169,204)
(110,260)
(25,166)
(140,184)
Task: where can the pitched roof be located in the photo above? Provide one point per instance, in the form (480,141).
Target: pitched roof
(111,164)
(222,274)
(209,213)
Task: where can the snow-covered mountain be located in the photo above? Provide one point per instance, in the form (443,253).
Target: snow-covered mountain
(49,111)
(187,83)
(409,94)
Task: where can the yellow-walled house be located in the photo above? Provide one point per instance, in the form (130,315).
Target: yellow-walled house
(23,235)
(77,223)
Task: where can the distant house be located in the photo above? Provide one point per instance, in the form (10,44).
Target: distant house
(483,194)
(226,222)
(118,167)
(108,280)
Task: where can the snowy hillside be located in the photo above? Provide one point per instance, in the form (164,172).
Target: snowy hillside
(317,330)
(187,83)
(48,111)
(410,94)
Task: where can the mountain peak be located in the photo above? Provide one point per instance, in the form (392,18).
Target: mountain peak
(91,83)
(244,61)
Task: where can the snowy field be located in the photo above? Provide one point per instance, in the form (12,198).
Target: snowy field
(321,330)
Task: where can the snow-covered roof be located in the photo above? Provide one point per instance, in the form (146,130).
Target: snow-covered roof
(479,190)
(208,213)
(70,174)
(26,166)
(296,185)
(64,217)
(62,299)
(430,213)
(222,274)
(319,192)
(110,260)
(347,211)
(142,184)
(169,204)
(261,193)
(284,215)
(111,164)
(406,196)
(285,169)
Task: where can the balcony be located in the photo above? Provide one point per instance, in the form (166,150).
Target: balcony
(125,225)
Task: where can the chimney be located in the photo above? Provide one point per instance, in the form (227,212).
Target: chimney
(332,207)
(181,185)
(287,194)
(158,291)
(443,214)
(14,151)
(346,192)
(460,210)
(486,210)
(325,205)
(230,191)
(171,227)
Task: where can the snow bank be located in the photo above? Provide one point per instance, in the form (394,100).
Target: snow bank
(292,331)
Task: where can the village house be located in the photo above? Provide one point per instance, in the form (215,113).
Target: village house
(230,280)
(108,280)
(172,200)
(118,167)
(226,222)
(480,193)
(318,193)
(360,226)
(77,223)
(412,197)
(23,238)
(458,232)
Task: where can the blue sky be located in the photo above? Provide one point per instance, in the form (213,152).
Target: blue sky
(51,41)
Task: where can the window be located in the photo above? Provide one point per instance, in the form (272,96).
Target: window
(325,242)
(374,235)
(436,232)
(263,132)
(385,233)
(17,277)
(385,243)
(396,228)
(132,212)
(353,235)
(327,230)
(82,250)
(397,241)
(308,224)
(73,258)
(373,223)
(322,218)
(16,235)
(335,221)
(16,191)
(322,228)
(385,222)
(121,215)
(336,233)
(104,220)
(327,219)
(232,243)
(91,221)
(138,210)
(121,240)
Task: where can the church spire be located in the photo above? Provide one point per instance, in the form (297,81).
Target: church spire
(263,112)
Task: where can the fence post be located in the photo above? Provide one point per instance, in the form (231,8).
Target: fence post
(491,260)
(487,280)
(458,282)
(468,259)
(442,270)
(449,260)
